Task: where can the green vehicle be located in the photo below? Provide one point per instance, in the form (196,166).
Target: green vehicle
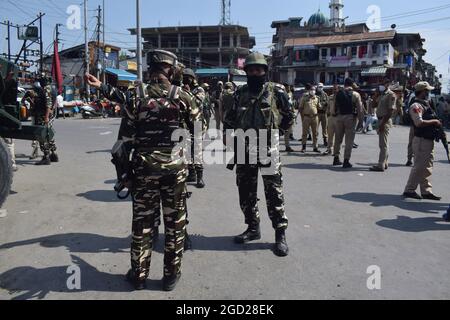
(10,125)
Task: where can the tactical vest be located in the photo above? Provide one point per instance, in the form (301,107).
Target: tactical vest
(428,132)
(344,103)
(156,120)
(259,112)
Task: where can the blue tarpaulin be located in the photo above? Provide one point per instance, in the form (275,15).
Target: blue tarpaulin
(122,75)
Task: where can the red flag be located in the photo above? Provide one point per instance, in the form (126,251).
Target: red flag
(56,69)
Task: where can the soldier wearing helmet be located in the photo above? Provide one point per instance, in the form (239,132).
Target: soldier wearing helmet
(198,96)
(152,114)
(260,105)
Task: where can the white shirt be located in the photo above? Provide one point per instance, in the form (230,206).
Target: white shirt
(60,101)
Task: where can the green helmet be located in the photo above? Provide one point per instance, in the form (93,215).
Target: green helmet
(256,58)
(189,73)
(161,56)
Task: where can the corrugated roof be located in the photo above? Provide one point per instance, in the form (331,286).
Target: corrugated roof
(122,75)
(374,72)
(337,39)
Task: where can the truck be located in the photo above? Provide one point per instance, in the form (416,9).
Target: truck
(11,126)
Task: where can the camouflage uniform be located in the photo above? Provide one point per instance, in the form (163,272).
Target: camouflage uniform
(43,103)
(323,118)
(159,177)
(244,115)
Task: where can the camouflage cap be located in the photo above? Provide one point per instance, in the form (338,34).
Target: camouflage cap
(423,85)
(205,86)
(256,58)
(161,56)
(190,73)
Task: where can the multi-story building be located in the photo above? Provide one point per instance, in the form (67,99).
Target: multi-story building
(202,46)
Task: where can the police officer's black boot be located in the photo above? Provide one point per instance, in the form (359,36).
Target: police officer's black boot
(347,164)
(169,283)
(337,162)
(45,161)
(200,183)
(138,284)
(54,157)
(251,234)
(187,242)
(281,248)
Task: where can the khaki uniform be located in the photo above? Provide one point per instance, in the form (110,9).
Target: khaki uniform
(309,107)
(331,114)
(423,150)
(345,125)
(386,106)
(323,109)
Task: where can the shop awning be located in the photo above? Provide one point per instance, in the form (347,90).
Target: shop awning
(122,75)
(213,72)
(374,72)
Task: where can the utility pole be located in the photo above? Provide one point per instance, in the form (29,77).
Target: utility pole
(104,48)
(139,41)
(9,40)
(41,45)
(99,25)
(86,50)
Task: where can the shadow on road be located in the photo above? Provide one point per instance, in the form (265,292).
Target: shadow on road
(99,151)
(407,224)
(34,283)
(101,196)
(316,166)
(389,200)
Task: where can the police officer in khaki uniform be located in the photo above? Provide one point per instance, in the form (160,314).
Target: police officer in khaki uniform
(386,108)
(331,114)
(425,122)
(348,104)
(309,110)
(323,109)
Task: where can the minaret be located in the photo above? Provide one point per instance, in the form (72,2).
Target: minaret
(337,12)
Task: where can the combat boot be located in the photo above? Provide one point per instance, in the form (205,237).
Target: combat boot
(200,183)
(325,142)
(304,148)
(169,283)
(187,242)
(45,161)
(337,162)
(192,176)
(138,284)
(251,234)
(347,164)
(281,248)
(54,157)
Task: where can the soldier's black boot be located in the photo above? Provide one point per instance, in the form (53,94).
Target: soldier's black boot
(281,248)
(251,234)
(187,242)
(347,164)
(325,142)
(304,148)
(54,157)
(45,161)
(337,162)
(169,283)
(200,183)
(192,177)
(138,284)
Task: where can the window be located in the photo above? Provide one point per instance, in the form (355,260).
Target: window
(333,52)
(385,48)
(324,53)
(374,62)
(375,49)
(344,51)
(363,63)
(385,62)
(354,51)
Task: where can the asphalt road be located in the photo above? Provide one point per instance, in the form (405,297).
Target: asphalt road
(341,223)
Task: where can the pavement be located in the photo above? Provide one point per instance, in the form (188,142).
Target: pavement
(65,218)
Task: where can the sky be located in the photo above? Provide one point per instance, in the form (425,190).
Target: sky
(431,19)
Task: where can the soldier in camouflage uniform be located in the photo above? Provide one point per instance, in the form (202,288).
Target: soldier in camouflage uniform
(261,105)
(198,96)
(151,117)
(323,110)
(42,112)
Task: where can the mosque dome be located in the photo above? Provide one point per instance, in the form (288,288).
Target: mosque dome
(318,19)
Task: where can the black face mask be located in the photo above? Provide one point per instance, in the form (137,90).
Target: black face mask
(255,83)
